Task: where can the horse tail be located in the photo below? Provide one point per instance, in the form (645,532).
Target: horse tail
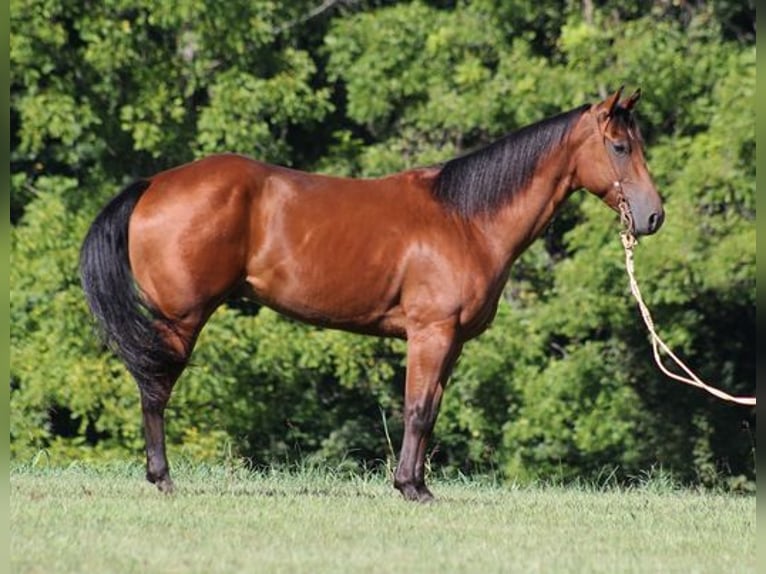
(127,323)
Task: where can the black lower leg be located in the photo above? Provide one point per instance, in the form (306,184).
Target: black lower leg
(410,473)
(157,469)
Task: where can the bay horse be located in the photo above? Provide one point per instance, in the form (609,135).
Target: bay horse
(421,255)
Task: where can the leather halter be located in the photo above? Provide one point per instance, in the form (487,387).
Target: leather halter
(626,217)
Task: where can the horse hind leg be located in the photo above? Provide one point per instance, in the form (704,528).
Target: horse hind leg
(153,413)
(156,388)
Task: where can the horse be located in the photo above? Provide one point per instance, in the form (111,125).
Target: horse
(421,255)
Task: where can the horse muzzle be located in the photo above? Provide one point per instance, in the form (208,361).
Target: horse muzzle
(645,212)
(646,221)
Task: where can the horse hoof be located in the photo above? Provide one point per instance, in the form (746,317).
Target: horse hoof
(425,496)
(165,486)
(416,493)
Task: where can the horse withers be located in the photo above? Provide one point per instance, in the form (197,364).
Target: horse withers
(421,255)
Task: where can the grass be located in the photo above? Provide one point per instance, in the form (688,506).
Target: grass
(107,519)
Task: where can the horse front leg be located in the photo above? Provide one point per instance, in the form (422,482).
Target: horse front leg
(431,354)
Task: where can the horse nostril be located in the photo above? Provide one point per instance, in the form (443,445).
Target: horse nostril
(655,220)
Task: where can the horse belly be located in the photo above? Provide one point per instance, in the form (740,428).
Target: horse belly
(328,283)
(365,303)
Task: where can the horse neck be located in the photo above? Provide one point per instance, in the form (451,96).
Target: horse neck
(513,226)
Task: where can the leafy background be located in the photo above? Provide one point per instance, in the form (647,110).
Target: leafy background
(562,387)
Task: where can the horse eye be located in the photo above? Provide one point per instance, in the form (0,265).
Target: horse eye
(620,148)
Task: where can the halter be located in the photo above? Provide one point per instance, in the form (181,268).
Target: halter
(626,217)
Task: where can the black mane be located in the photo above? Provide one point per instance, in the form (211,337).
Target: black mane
(482,180)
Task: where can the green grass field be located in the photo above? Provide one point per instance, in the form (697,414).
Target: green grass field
(107,519)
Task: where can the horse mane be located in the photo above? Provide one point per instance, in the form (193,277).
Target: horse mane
(480,181)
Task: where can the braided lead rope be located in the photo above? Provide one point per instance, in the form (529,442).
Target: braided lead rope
(629,242)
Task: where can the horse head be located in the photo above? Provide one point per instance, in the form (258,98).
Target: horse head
(612,166)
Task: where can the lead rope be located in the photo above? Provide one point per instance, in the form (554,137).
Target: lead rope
(629,242)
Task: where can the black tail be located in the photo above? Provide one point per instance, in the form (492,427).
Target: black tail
(127,323)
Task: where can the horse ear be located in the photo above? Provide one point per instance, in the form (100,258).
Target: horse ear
(631,101)
(608,106)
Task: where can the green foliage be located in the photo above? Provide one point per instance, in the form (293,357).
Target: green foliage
(246,108)
(561,387)
(576,417)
